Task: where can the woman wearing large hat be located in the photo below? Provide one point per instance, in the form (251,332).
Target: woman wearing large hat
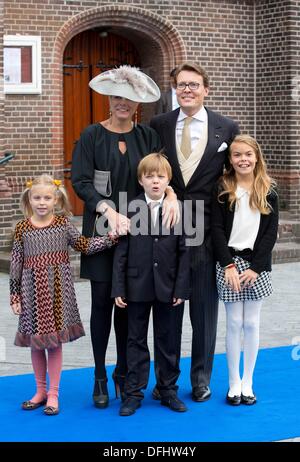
(104,164)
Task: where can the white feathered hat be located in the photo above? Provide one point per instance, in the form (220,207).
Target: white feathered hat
(128,82)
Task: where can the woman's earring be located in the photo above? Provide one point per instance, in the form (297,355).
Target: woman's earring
(110,114)
(135,118)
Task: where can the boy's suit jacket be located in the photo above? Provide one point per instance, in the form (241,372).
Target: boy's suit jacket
(149,267)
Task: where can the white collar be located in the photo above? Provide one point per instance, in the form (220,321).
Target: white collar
(240,192)
(201,115)
(160,201)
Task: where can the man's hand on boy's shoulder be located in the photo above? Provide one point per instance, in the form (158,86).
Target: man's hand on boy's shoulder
(170,209)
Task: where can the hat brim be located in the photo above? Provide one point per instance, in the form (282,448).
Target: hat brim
(124,89)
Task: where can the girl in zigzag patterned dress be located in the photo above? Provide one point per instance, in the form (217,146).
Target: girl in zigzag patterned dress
(41,287)
(244,231)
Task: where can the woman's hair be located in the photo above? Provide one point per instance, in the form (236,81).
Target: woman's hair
(154,162)
(62,206)
(262,184)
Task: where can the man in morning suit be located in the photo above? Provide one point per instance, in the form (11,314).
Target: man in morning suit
(196,141)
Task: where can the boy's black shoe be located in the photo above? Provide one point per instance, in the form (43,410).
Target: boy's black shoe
(156,394)
(173,403)
(200,394)
(129,406)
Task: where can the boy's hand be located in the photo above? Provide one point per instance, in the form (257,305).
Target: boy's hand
(119,301)
(16,307)
(177,301)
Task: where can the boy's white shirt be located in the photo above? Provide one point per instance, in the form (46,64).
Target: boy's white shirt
(156,209)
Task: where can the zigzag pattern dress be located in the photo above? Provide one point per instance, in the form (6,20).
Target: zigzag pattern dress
(41,280)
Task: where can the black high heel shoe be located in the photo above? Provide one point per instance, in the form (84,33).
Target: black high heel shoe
(119,381)
(100,393)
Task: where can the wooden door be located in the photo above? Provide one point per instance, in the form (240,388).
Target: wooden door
(85,56)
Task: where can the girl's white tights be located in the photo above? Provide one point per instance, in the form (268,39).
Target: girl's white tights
(242,316)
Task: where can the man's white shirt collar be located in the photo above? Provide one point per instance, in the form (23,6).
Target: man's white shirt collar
(201,115)
(148,200)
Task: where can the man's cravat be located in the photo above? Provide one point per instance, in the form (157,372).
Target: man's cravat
(186,147)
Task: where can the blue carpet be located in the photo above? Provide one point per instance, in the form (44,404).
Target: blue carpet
(276,415)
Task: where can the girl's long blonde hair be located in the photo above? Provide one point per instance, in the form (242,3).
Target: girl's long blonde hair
(63,205)
(263,184)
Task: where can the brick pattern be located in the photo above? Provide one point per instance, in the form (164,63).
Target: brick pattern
(218,35)
(278,95)
(5,191)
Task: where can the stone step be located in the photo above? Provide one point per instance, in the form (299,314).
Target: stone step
(286,239)
(284,215)
(4,262)
(286,252)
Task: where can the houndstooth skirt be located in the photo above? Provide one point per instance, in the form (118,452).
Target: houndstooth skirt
(261,288)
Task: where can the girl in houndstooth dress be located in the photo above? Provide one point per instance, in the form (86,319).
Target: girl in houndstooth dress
(41,288)
(244,232)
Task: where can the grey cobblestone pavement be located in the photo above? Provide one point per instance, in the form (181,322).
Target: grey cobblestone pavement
(280,324)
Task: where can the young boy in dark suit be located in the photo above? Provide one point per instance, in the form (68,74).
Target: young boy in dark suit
(151,270)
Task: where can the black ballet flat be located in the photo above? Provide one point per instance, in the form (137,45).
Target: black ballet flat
(30,406)
(248,400)
(51,410)
(233,400)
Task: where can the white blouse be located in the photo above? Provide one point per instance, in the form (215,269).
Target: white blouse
(246,222)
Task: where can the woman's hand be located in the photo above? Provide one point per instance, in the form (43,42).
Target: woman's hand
(170,209)
(120,302)
(119,224)
(248,277)
(16,307)
(232,279)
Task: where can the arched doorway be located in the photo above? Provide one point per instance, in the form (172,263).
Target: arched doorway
(86,55)
(158,43)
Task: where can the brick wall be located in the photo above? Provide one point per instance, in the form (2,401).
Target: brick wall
(278,76)
(5,191)
(217,34)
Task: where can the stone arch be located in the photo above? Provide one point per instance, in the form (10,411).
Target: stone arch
(160,46)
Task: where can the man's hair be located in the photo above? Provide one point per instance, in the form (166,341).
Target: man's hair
(173,72)
(192,67)
(154,162)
